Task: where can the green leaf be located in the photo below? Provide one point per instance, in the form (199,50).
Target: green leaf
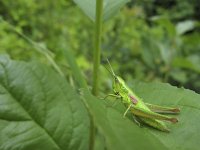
(39,110)
(122,133)
(179,75)
(119,133)
(110,7)
(150,52)
(185,26)
(191,63)
(184,134)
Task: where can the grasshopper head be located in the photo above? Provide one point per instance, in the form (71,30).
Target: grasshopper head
(119,86)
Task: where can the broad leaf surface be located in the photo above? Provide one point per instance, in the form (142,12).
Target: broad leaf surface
(110,7)
(120,133)
(184,135)
(39,110)
(124,134)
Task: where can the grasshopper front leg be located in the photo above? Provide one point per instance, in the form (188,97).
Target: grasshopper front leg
(127,110)
(162,110)
(112,95)
(149,114)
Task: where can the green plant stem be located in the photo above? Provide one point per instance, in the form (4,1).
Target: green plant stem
(75,69)
(97,46)
(92,133)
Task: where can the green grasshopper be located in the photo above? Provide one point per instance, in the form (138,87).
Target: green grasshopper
(142,112)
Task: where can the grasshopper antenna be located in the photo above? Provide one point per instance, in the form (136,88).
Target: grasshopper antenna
(111,70)
(108,70)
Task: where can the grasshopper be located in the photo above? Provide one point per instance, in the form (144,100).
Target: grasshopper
(142,112)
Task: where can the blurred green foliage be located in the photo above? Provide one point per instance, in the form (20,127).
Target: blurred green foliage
(150,40)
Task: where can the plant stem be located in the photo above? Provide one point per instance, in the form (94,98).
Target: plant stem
(97,46)
(92,134)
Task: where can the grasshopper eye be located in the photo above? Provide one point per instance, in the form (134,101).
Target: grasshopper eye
(124,89)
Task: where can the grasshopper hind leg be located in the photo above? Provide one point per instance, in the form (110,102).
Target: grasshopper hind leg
(163,110)
(157,124)
(137,120)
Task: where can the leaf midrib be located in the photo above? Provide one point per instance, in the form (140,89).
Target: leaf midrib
(37,123)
